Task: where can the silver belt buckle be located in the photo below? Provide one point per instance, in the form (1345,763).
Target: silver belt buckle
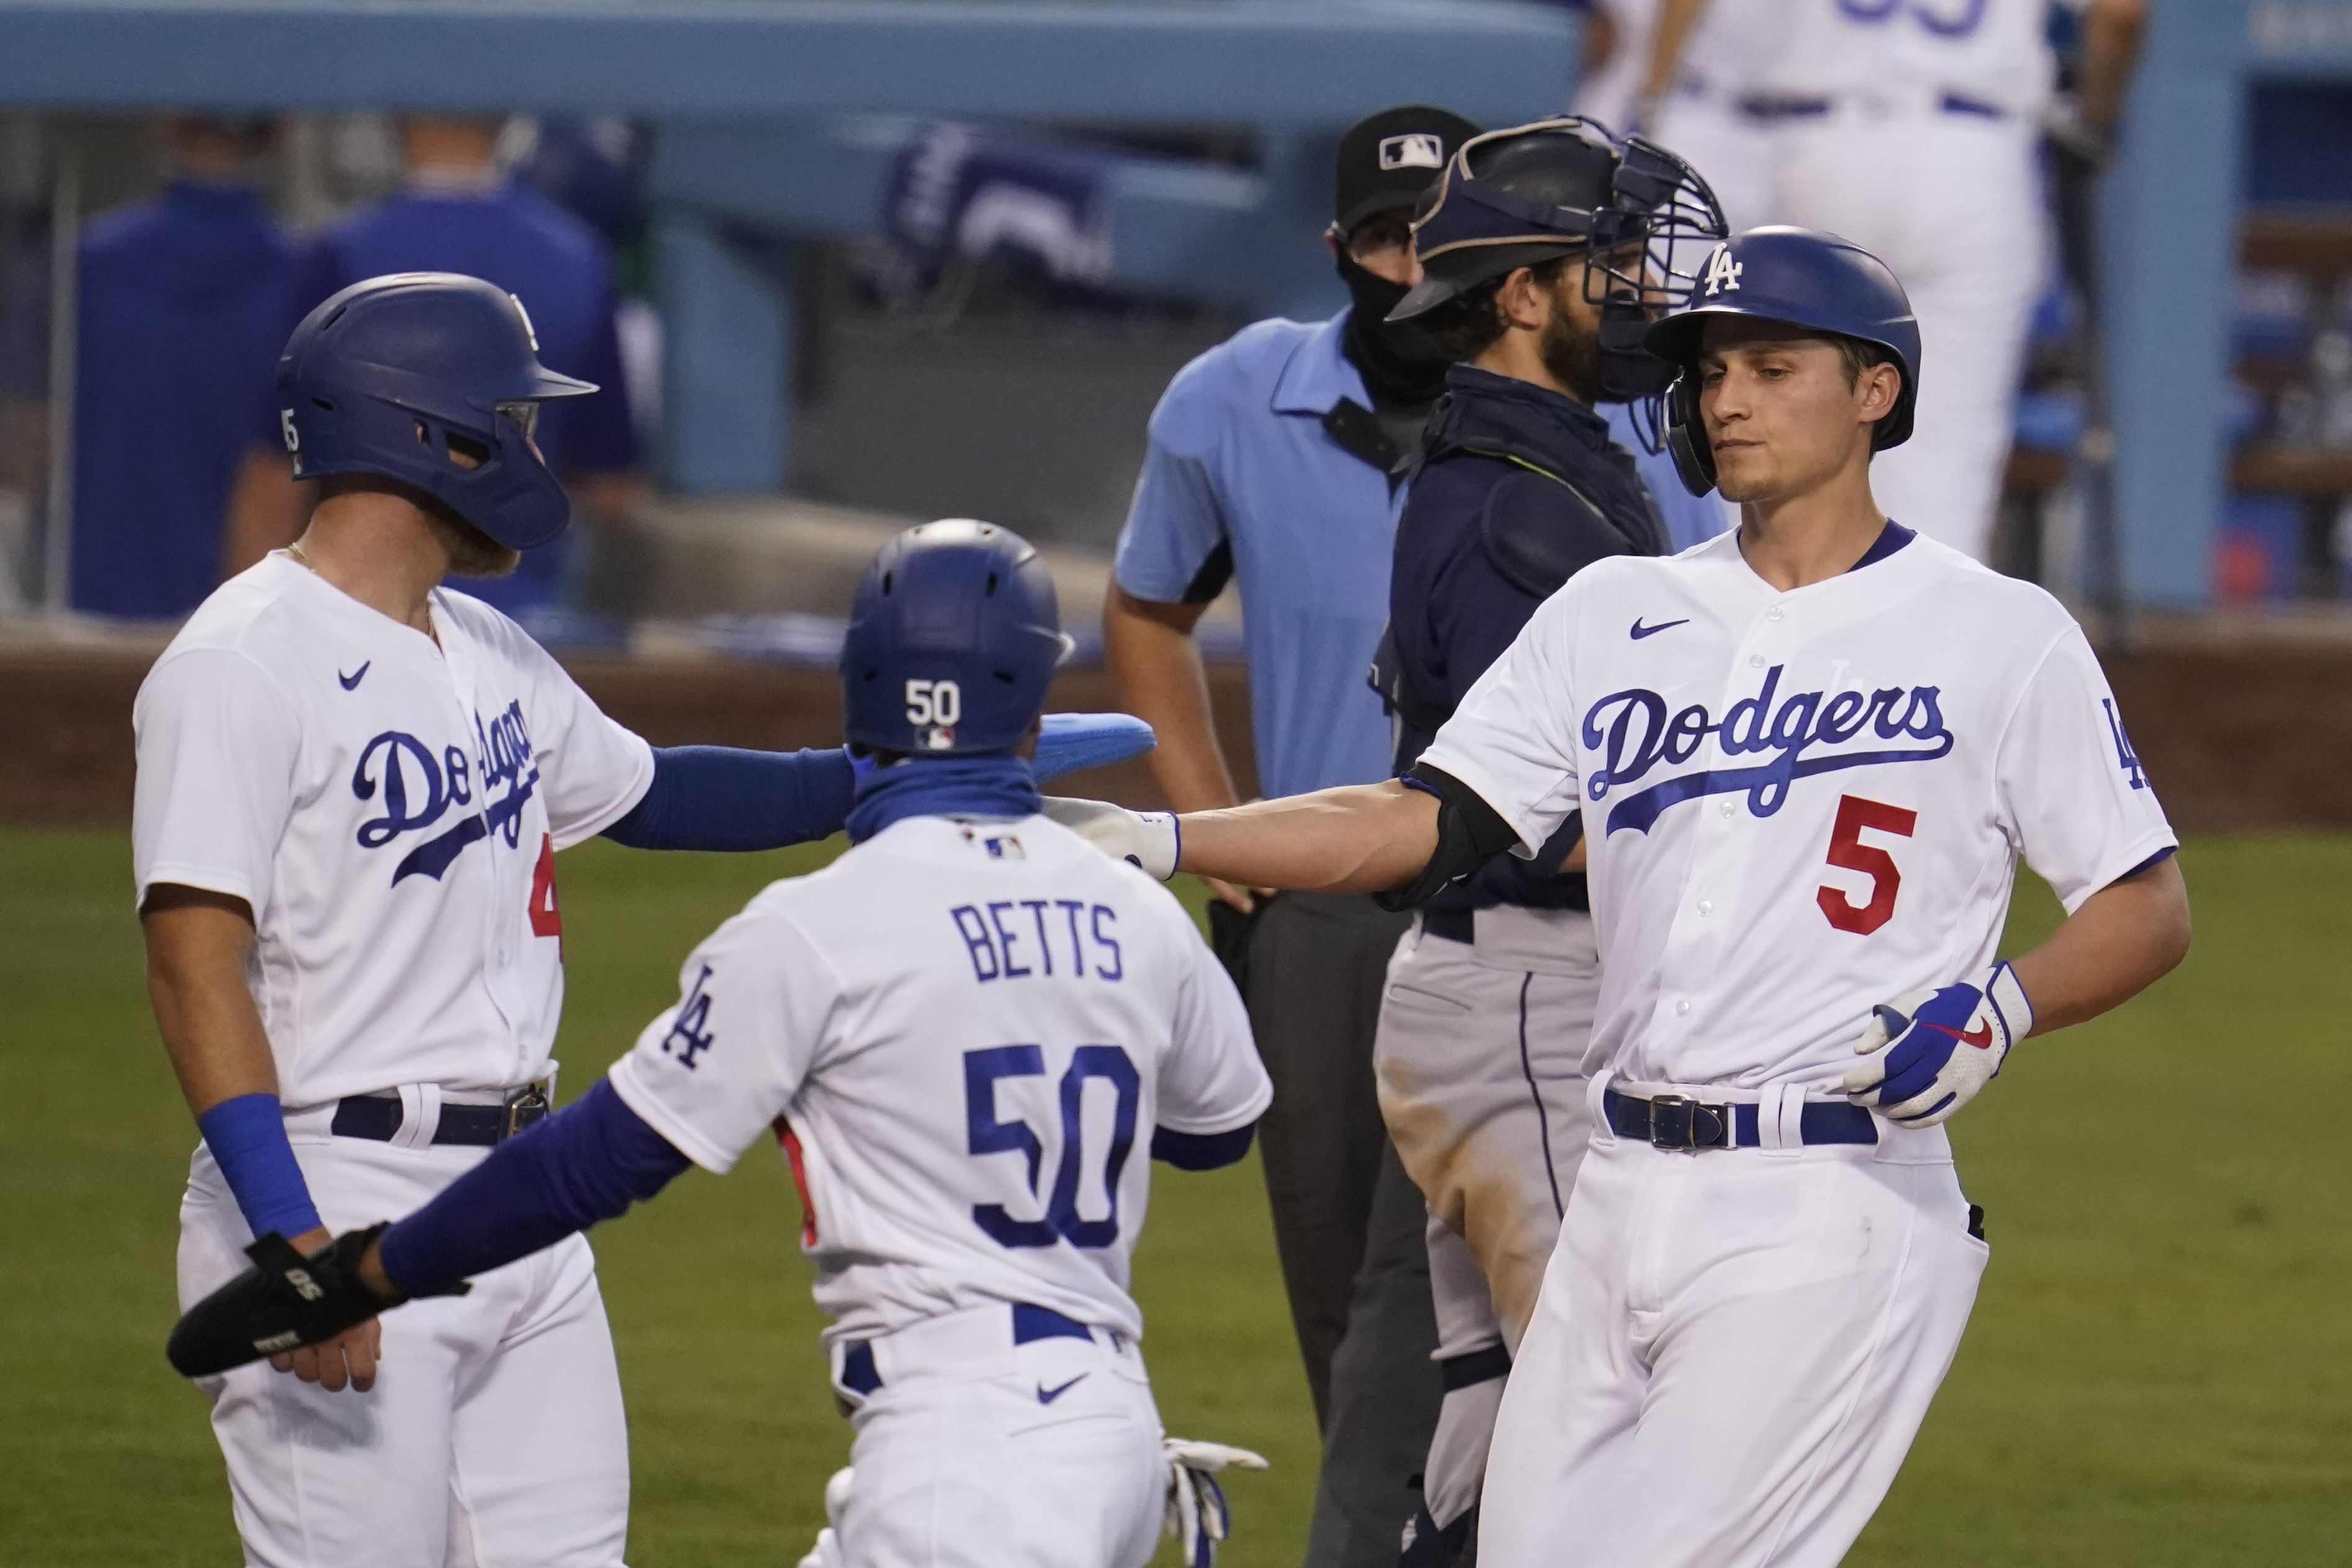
(524,1106)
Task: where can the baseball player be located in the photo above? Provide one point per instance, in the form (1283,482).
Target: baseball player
(352,784)
(1546,251)
(1809,755)
(1914,127)
(957,1031)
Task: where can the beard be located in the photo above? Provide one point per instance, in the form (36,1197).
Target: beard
(1571,354)
(472,552)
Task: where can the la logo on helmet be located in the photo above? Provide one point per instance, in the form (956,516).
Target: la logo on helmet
(1722,272)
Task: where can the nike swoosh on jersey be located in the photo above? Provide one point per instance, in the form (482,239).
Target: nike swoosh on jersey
(352,681)
(1641,631)
(1047,1395)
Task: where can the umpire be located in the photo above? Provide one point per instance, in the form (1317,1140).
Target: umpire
(1270,465)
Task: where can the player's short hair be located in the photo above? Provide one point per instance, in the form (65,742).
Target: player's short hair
(1859,355)
(1468,324)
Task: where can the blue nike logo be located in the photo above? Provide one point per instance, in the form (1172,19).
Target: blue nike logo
(1047,1395)
(1641,631)
(352,681)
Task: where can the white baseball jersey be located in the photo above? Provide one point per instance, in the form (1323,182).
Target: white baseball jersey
(1800,804)
(964,1034)
(1992,52)
(391,810)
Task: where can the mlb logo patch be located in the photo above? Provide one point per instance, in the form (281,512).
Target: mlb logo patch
(1414,150)
(1005,846)
(936,738)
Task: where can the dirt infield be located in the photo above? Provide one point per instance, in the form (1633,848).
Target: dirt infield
(2240,728)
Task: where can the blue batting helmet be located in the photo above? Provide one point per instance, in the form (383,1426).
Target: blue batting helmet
(953,638)
(1795,275)
(432,379)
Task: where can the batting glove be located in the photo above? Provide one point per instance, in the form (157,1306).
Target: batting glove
(1929,1052)
(827,1552)
(1150,840)
(1197,1515)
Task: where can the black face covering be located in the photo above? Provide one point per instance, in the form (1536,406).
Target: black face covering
(1400,370)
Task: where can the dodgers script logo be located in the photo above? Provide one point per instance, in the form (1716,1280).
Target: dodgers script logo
(419,790)
(1635,733)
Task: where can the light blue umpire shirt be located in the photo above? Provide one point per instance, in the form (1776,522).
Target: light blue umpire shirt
(1241,481)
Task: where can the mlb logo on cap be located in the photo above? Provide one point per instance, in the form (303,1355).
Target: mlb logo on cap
(1414,150)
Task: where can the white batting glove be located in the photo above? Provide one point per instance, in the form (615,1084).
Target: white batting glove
(827,1551)
(1197,1515)
(1929,1052)
(1148,839)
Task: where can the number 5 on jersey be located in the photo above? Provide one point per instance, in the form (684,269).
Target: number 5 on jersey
(1850,852)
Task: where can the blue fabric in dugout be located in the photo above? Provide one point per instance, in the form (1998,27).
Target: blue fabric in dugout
(960,189)
(181,317)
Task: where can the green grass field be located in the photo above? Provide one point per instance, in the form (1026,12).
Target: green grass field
(2159,1372)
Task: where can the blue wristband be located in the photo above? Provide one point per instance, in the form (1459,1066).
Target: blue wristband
(247,1137)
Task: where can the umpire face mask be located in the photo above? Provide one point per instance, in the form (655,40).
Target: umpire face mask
(1398,366)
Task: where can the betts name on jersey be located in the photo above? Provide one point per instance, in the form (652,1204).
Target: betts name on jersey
(963,1034)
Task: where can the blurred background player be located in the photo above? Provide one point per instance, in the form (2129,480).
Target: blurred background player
(1916,131)
(458,212)
(1273,465)
(1486,1027)
(180,314)
(352,784)
(958,1030)
(1682,85)
(1618,40)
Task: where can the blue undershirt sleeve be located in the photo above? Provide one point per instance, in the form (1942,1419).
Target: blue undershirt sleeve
(720,797)
(587,1162)
(1200,1151)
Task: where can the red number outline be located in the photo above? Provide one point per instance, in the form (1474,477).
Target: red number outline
(1847,852)
(546,919)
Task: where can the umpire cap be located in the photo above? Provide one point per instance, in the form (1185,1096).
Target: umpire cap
(432,379)
(954,635)
(1387,160)
(1816,281)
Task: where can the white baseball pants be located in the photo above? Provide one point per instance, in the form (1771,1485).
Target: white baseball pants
(1953,203)
(1733,1351)
(494,1437)
(1481,1059)
(976,1452)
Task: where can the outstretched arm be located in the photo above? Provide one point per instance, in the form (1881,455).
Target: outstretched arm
(728,798)
(1360,838)
(587,1162)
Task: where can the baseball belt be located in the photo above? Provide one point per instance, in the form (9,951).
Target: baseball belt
(378,1118)
(1677,1122)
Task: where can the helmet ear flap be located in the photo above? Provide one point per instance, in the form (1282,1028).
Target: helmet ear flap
(1687,436)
